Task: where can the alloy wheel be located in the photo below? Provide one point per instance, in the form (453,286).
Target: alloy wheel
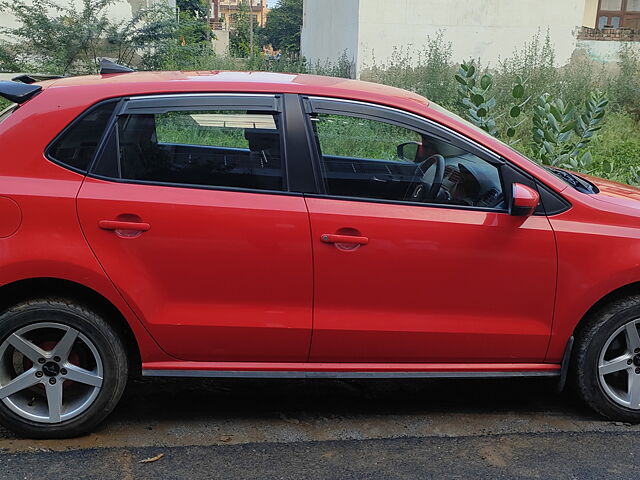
(619,366)
(49,372)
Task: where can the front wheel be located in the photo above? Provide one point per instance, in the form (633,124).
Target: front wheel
(607,360)
(62,369)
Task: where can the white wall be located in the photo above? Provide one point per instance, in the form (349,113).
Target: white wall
(590,13)
(330,28)
(485,29)
(604,51)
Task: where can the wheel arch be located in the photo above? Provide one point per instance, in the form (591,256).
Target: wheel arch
(620,292)
(31,288)
(566,325)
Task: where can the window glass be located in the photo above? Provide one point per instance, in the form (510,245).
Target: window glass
(210,148)
(633,5)
(377,160)
(612,5)
(77,147)
(602,22)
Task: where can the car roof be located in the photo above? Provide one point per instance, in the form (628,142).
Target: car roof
(138,83)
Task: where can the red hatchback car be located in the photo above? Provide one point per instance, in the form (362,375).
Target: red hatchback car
(222,224)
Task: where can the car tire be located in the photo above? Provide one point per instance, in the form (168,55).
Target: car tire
(606,360)
(76,389)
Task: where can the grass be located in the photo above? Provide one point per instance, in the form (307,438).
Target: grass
(356,137)
(180,128)
(619,144)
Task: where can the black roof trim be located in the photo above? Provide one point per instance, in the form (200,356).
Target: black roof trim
(18,92)
(33,78)
(107,66)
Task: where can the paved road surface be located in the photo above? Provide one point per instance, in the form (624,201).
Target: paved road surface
(337,429)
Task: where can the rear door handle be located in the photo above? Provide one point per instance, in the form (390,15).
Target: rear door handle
(118,225)
(345,239)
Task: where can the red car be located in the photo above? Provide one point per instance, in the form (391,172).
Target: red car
(221,224)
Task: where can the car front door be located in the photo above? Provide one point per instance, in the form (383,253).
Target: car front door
(406,271)
(188,210)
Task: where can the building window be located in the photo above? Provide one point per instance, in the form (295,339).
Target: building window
(612,5)
(619,14)
(633,5)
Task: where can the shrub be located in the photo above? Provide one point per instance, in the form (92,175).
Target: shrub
(616,151)
(58,39)
(561,134)
(481,107)
(624,86)
(427,72)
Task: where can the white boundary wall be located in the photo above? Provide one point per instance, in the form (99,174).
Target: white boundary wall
(485,29)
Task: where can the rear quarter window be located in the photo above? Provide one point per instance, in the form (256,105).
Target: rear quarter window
(77,145)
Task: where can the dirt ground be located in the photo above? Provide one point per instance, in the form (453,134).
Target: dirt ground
(241,428)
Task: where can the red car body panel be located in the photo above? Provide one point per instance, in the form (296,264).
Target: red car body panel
(593,246)
(375,304)
(598,253)
(49,242)
(199,278)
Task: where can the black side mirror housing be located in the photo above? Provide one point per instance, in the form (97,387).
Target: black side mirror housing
(409,151)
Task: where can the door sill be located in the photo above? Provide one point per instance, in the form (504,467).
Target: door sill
(348,370)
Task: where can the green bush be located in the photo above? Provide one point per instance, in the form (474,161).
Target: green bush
(427,72)
(616,150)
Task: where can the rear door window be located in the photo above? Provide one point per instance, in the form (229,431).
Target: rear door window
(211,148)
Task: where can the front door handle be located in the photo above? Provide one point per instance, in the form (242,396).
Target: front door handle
(118,225)
(344,239)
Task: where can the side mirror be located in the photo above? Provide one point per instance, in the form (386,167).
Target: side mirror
(409,151)
(524,200)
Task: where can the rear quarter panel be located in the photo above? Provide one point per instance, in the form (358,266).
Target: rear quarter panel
(48,242)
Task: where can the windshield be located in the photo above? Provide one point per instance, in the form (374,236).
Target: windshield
(576,181)
(4,114)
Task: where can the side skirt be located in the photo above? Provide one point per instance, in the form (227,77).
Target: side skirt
(326,370)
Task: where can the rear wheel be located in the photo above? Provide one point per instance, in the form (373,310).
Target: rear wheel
(607,360)
(62,369)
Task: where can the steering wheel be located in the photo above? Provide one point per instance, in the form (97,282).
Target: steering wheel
(419,191)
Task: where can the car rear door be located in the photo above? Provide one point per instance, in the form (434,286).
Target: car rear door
(448,280)
(189,211)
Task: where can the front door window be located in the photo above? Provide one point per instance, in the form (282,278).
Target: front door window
(377,160)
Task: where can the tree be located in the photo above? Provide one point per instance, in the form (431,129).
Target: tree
(197,8)
(56,39)
(240,42)
(284,24)
(190,47)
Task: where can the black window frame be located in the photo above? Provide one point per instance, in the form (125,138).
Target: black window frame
(272,103)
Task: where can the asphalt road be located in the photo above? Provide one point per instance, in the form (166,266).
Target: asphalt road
(336,429)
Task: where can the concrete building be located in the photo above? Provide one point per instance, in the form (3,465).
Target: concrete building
(369,31)
(225,12)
